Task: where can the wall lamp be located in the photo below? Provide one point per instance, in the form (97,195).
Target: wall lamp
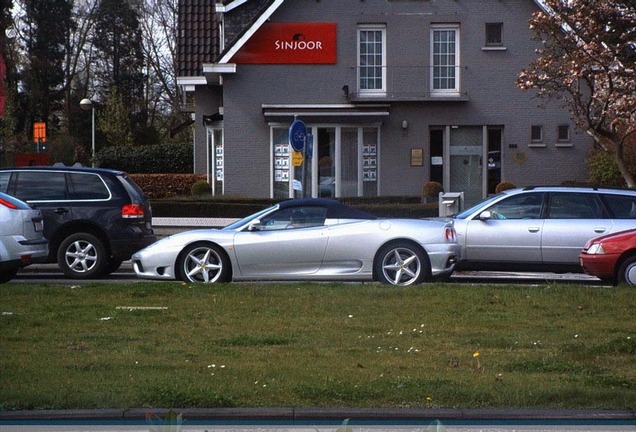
(405,128)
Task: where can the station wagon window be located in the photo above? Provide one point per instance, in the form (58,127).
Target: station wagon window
(41,186)
(572,205)
(525,206)
(621,206)
(296,217)
(88,187)
(4,181)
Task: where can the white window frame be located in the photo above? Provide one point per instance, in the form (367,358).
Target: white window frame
(372,28)
(455,91)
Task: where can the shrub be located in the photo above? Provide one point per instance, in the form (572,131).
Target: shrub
(602,168)
(166,185)
(201,187)
(432,189)
(504,185)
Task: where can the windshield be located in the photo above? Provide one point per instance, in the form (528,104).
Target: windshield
(471,210)
(239,223)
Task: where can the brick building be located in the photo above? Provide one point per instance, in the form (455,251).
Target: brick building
(394,93)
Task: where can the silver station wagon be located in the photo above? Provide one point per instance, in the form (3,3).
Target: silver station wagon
(540,228)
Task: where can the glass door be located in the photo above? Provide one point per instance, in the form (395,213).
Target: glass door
(466,154)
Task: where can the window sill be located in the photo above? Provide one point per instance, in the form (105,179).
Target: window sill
(537,145)
(564,145)
(494,48)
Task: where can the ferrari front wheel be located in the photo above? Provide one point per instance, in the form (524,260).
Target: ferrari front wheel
(203,262)
(402,264)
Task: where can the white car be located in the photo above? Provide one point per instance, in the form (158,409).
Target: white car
(309,239)
(21,236)
(540,228)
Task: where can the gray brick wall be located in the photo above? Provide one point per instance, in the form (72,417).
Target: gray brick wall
(490,96)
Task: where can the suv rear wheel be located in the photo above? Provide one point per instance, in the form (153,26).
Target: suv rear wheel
(82,256)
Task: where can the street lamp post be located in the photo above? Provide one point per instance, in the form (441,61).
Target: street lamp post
(86,104)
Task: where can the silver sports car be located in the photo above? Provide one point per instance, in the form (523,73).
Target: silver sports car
(308,239)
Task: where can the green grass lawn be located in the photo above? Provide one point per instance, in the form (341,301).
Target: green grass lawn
(175,345)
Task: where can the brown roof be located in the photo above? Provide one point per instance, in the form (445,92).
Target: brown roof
(198,31)
(197,36)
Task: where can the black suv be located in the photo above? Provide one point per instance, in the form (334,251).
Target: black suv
(94,218)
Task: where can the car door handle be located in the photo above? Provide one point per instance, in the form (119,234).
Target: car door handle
(600,230)
(60,211)
(533,229)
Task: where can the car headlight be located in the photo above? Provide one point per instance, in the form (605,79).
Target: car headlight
(596,249)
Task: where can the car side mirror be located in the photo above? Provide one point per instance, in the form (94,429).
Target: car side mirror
(255,225)
(485,215)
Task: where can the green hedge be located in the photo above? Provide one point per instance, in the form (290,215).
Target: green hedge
(162,158)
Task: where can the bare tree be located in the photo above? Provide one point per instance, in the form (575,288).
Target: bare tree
(159,28)
(588,59)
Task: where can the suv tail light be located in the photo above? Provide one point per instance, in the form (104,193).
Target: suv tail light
(132,211)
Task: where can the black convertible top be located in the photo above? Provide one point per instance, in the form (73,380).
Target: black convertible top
(335,209)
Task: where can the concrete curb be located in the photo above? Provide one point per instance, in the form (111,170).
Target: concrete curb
(325,414)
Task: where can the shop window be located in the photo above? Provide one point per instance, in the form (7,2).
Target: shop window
(216,168)
(372,59)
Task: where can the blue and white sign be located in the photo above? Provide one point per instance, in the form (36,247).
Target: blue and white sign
(297,135)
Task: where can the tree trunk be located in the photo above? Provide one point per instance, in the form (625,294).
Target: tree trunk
(622,167)
(613,146)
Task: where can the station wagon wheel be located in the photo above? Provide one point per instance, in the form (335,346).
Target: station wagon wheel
(203,262)
(82,256)
(627,271)
(402,264)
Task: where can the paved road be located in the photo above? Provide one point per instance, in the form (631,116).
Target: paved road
(165,226)
(49,273)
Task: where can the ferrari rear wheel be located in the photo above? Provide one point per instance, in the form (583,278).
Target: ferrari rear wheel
(402,264)
(203,262)
(627,271)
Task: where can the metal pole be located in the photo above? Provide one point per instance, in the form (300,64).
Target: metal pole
(304,173)
(93,137)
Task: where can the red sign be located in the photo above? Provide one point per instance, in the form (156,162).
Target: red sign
(39,132)
(290,43)
(31,159)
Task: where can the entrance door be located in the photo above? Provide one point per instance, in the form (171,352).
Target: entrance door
(495,138)
(466,155)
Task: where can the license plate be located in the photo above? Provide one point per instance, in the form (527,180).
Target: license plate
(39,225)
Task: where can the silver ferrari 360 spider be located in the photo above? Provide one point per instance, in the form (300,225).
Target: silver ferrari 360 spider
(308,239)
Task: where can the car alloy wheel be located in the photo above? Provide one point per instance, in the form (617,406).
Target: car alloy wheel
(203,262)
(402,265)
(82,256)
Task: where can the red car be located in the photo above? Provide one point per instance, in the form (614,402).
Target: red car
(611,257)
